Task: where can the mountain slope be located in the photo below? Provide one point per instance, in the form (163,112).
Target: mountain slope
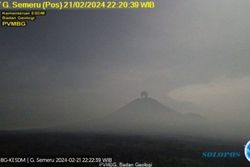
(145,115)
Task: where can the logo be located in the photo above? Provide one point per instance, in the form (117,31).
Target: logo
(247,151)
(221,154)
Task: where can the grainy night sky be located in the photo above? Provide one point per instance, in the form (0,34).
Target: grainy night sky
(77,65)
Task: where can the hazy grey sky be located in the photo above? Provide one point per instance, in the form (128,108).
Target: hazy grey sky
(76,64)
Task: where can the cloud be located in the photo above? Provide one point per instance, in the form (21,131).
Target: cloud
(223,95)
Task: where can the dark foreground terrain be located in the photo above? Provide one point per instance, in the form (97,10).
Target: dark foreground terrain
(161,151)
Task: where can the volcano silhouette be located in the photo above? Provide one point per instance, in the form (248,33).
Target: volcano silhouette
(142,109)
(145,114)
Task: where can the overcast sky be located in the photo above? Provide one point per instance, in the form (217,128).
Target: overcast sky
(79,64)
